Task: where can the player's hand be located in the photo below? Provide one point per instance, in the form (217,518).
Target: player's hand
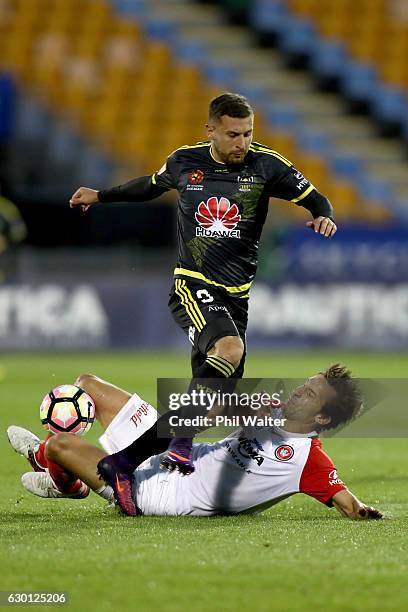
(84,197)
(368,512)
(324,226)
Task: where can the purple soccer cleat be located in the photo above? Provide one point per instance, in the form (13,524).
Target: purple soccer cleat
(117,474)
(179,456)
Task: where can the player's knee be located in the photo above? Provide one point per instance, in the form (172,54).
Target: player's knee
(230,348)
(86,382)
(57,444)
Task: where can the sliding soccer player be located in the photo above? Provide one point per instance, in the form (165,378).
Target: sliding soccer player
(250,470)
(223,186)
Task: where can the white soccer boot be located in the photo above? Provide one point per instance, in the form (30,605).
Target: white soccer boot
(25,443)
(43,485)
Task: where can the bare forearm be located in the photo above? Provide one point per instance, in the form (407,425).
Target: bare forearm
(350,507)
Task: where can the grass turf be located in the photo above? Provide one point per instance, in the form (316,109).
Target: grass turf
(298,555)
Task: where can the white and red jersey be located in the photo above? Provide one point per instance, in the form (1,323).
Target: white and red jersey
(248,471)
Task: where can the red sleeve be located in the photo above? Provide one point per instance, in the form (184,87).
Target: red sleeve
(319,477)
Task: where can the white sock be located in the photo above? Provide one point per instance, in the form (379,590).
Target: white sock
(106,492)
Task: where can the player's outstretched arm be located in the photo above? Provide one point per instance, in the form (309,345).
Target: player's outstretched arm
(349,506)
(139,189)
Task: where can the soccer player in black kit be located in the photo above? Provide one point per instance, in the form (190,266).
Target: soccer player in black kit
(224,186)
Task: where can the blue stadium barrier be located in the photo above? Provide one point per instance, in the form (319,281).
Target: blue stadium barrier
(133,8)
(312,141)
(189,51)
(282,116)
(220,74)
(358,81)
(268,16)
(389,104)
(160,29)
(347,166)
(372,189)
(328,58)
(298,37)
(257,94)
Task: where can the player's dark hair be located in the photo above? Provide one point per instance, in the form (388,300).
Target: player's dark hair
(230,104)
(348,399)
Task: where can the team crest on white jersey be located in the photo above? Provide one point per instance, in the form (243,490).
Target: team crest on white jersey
(284,452)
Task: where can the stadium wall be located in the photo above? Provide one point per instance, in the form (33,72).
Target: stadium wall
(350,293)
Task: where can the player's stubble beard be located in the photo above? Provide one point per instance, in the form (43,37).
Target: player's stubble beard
(230,158)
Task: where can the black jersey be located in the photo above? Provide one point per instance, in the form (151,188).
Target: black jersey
(222,209)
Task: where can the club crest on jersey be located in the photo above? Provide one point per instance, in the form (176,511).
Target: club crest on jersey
(218,218)
(284,452)
(195,178)
(245,183)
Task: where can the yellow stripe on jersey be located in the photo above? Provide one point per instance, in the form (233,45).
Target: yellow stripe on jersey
(213,361)
(154,178)
(262,149)
(226,363)
(199,276)
(304,194)
(184,301)
(195,146)
(266,149)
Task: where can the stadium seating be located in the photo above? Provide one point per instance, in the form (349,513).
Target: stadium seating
(359,43)
(131,84)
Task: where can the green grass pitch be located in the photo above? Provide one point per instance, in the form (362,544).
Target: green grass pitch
(297,556)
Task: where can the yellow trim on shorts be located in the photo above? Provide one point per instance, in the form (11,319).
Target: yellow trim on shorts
(193,302)
(199,276)
(191,307)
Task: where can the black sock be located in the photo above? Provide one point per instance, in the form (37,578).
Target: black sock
(215,369)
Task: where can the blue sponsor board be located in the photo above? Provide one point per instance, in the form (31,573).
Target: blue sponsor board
(348,315)
(349,292)
(134,314)
(355,254)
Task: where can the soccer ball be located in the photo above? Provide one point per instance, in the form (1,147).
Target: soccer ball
(67,408)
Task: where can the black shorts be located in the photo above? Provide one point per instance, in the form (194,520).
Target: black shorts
(206,313)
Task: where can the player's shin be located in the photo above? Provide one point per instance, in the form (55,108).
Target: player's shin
(212,378)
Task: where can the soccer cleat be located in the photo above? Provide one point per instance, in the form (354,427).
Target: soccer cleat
(120,479)
(43,485)
(25,443)
(179,456)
